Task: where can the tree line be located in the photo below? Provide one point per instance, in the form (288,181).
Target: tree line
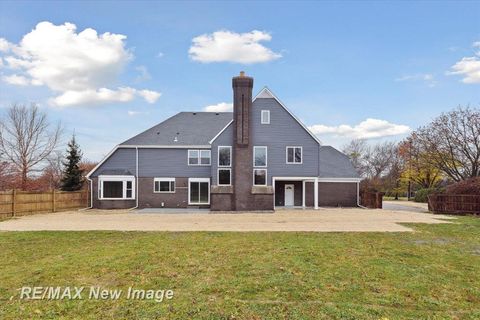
(444,151)
(29,155)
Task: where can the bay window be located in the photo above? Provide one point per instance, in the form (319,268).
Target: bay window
(116,187)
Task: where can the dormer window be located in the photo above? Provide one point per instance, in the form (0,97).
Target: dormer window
(265,115)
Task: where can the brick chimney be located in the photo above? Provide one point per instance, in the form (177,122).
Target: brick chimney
(242,104)
(242,150)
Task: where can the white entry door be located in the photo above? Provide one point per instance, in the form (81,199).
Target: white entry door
(289,192)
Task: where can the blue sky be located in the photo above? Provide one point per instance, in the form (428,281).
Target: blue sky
(334,65)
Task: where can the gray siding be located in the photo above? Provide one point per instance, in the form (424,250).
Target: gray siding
(121,159)
(168,163)
(283,131)
(224,139)
(154,163)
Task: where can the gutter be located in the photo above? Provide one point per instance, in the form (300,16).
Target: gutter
(136,180)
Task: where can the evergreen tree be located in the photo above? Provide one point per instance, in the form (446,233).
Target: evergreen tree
(72,179)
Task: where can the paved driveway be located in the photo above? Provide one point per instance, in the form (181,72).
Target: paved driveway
(405,206)
(323,220)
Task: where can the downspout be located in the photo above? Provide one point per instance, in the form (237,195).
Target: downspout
(91,195)
(136,179)
(358,197)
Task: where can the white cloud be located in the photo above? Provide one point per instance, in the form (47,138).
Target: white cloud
(143,74)
(428,78)
(132,113)
(468,67)
(4,45)
(17,80)
(149,96)
(369,128)
(219,107)
(93,97)
(160,55)
(228,46)
(79,67)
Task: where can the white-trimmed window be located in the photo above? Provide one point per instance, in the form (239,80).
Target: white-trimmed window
(164,185)
(224,173)
(265,115)
(224,156)
(116,187)
(259,177)
(259,156)
(294,155)
(199,157)
(224,176)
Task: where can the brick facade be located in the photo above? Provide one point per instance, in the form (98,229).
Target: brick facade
(332,194)
(149,199)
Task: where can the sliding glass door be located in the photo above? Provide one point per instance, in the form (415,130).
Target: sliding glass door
(199,191)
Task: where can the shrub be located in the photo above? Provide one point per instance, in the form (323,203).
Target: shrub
(470,186)
(422,194)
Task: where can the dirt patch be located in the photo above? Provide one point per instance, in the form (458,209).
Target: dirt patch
(323,220)
(433,241)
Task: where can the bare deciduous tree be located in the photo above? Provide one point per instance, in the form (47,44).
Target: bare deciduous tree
(7,175)
(371,161)
(356,151)
(52,173)
(452,141)
(27,138)
(379,159)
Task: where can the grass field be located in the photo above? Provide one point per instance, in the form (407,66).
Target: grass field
(399,198)
(431,273)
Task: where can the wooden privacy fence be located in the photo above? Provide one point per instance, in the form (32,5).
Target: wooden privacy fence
(372,200)
(19,203)
(454,203)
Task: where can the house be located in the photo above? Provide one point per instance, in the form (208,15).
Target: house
(260,157)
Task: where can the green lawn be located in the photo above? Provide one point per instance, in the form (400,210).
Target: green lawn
(399,198)
(432,273)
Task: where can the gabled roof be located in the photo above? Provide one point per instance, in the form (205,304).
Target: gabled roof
(266,93)
(183,129)
(334,164)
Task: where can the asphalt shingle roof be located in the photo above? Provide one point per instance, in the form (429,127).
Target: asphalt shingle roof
(334,164)
(189,128)
(115,172)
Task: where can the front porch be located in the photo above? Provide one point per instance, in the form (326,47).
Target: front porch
(295,192)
